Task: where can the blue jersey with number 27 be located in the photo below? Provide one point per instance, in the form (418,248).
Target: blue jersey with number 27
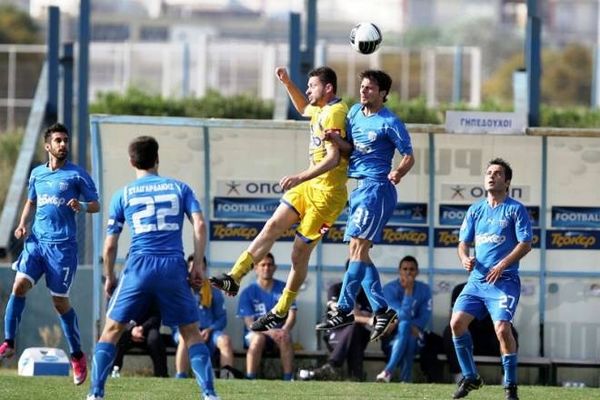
(495,231)
(154,208)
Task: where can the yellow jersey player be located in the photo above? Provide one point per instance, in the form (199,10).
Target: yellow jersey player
(314,197)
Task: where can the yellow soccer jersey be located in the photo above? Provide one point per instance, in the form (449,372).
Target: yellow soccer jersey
(331,116)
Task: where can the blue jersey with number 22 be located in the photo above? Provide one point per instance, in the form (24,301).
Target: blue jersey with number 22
(154,208)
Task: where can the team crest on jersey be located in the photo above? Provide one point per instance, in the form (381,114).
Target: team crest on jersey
(324,229)
(63,185)
(503,223)
(372,135)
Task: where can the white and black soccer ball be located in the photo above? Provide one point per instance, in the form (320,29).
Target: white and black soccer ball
(365,37)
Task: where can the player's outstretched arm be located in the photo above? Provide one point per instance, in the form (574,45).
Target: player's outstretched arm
(109,255)
(28,210)
(298,99)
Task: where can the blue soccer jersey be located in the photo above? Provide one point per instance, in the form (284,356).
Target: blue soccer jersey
(154,208)
(51,191)
(214,316)
(375,139)
(495,231)
(416,308)
(256,302)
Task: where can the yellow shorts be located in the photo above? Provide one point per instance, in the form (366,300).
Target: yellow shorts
(318,209)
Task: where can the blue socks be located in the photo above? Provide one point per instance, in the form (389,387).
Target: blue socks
(371,285)
(509,362)
(288,376)
(202,367)
(399,345)
(14,311)
(70,327)
(464,352)
(351,284)
(104,357)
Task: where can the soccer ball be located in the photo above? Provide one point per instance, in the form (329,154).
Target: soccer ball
(365,37)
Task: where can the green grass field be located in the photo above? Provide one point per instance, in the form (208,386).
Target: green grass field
(13,387)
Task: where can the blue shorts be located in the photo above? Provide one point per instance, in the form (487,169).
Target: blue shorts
(154,277)
(499,299)
(212,340)
(270,345)
(58,261)
(372,204)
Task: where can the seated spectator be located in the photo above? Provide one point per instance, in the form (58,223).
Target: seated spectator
(255,301)
(145,334)
(346,344)
(411,299)
(212,316)
(485,341)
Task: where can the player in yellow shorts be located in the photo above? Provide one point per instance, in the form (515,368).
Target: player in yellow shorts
(314,197)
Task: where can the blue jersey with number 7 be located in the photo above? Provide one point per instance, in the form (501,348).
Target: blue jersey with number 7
(154,208)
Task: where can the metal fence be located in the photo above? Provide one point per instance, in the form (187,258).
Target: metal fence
(233,67)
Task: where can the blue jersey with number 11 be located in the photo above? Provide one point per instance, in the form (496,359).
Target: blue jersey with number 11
(154,208)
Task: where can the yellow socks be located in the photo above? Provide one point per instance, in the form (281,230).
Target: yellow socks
(242,266)
(285,302)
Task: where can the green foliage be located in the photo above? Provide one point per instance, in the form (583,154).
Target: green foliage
(573,117)
(17,27)
(10,143)
(566,77)
(414,111)
(213,105)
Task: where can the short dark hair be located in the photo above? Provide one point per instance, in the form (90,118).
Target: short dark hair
(57,127)
(326,75)
(270,255)
(384,81)
(408,259)
(143,151)
(508,173)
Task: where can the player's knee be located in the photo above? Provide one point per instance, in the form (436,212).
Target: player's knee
(21,287)
(503,331)
(458,325)
(224,341)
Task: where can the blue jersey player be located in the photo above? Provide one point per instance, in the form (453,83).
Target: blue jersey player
(499,229)
(154,208)
(58,190)
(376,134)
(411,299)
(255,301)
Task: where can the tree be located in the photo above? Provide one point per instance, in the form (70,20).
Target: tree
(17,27)
(566,77)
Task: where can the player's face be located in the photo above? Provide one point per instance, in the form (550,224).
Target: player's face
(495,179)
(408,271)
(265,269)
(370,95)
(315,91)
(58,146)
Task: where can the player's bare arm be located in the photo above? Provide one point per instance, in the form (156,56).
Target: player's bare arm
(407,162)
(28,210)
(330,161)
(88,207)
(467,261)
(298,99)
(109,255)
(196,275)
(333,136)
(515,255)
